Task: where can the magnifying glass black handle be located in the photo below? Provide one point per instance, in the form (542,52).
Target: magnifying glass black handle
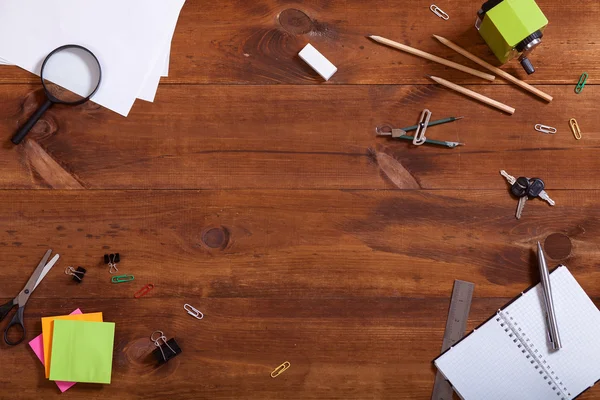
(24,130)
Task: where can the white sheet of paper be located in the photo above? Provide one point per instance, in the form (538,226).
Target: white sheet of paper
(167,62)
(150,86)
(123,34)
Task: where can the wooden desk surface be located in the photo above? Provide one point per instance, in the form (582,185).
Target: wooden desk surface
(261,196)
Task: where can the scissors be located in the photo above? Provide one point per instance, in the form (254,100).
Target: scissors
(40,272)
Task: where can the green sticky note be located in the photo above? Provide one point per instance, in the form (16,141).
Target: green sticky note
(82,351)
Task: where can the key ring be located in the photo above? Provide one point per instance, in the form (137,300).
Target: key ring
(384,129)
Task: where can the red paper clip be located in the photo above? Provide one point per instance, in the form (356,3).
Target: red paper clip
(143,291)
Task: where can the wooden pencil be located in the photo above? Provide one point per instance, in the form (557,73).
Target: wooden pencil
(431,57)
(495,70)
(473,95)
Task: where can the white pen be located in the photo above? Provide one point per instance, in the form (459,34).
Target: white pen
(553,335)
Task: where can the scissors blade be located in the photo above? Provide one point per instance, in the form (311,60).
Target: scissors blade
(47,269)
(29,286)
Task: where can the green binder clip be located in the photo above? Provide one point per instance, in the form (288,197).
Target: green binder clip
(121,278)
(581,84)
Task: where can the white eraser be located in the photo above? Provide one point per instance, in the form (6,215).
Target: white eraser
(318,62)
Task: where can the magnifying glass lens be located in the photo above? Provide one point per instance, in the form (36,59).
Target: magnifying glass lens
(74,68)
(71,75)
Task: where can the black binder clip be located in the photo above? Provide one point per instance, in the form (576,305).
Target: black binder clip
(165,351)
(78,273)
(112,260)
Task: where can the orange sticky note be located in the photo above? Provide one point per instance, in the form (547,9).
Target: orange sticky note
(48,327)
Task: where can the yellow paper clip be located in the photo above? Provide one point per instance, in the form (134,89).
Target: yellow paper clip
(279,370)
(575,128)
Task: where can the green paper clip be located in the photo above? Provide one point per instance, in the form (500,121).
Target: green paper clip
(581,84)
(121,278)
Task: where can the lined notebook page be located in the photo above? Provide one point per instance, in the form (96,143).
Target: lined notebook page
(576,364)
(489,365)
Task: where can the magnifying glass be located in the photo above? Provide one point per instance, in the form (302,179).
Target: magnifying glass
(73,64)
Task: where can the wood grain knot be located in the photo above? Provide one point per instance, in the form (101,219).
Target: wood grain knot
(216,238)
(47,125)
(138,355)
(47,168)
(295,21)
(558,246)
(32,101)
(393,169)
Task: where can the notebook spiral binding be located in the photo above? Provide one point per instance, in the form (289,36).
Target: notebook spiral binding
(532,354)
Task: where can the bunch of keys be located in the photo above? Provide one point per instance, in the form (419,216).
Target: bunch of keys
(525,188)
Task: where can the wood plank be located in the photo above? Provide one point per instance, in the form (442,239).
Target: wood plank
(233,42)
(298,137)
(351,287)
(298,244)
(338,348)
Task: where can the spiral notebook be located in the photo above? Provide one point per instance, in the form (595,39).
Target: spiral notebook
(509,357)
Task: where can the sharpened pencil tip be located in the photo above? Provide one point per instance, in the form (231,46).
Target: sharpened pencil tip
(458,118)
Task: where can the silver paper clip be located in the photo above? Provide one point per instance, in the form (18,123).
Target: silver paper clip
(112,260)
(420,138)
(545,129)
(193,312)
(439,12)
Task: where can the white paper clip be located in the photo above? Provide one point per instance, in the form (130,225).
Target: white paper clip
(439,12)
(545,129)
(419,137)
(193,312)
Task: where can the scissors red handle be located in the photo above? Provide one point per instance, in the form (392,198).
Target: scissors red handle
(16,321)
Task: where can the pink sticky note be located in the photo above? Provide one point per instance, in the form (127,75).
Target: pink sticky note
(37,345)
